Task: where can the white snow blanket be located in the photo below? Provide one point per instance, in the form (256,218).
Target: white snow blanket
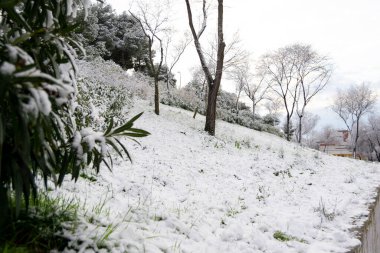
(189,192)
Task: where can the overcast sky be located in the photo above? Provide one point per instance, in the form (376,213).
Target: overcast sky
(345,30)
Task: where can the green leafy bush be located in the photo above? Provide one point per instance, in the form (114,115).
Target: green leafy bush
(39,134)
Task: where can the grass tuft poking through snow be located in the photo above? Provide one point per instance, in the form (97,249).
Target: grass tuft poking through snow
(42,229)
(281,236)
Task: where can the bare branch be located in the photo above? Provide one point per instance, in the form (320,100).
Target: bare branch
(196,37)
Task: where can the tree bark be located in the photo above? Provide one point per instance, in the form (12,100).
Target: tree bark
(356,139)
(211,110)
(167,81)
(253,108)
(156,97)
(300,129)
(288,137)
(237,105)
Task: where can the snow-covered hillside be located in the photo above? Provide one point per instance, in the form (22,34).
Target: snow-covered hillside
(241,191)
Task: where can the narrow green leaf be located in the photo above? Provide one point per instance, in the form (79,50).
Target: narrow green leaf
(89,158)
(125,150)
(138,143)
(136,130)
(105,162)
(127,125)
(22,39)
(110,142)
(136,135)
(109,128)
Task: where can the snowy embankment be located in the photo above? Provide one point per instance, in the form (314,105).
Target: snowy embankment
(189,192)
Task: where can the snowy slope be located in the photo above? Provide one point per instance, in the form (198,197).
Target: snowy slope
(189,192)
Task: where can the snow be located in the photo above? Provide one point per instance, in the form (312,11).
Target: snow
(189,192)
(12,52)
(130,72)
(92,138)
(69,6)
(38,102)
(7,68)
(76,143)
(42,100)
(49,22)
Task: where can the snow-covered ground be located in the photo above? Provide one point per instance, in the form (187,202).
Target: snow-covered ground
(189,192)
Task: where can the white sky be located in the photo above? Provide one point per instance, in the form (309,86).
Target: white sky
(345,30)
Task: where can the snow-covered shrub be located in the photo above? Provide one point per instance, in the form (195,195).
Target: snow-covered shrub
(271,119)
(102,93)
(39,134)
(181,98)
(106,91)
(189,99)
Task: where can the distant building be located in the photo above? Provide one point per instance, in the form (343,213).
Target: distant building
(338,144)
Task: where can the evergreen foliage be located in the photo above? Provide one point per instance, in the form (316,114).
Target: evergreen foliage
(39,134)
(113,37)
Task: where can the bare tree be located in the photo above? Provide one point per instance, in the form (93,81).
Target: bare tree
(175,55)
(212,82)
(351,105)
(239,75)
(153,21)
(256,89)
(254,86)
(313,73)
(280,69)
(309,122)
(371,137)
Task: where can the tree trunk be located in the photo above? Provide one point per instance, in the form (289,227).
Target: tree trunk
(237,103)
(377,155)
(205,96)
(253,109)
(356,140)
(211,109)
(167,81)
(288,137)
(376,151)
(156,98)
(237,106)
(300,129)
(195,112)
(214,87)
